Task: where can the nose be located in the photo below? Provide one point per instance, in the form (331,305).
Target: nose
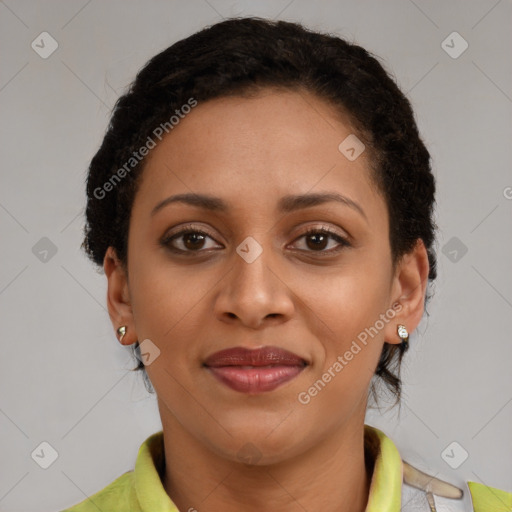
(254,294)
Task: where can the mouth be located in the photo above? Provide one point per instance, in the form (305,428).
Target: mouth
(255,370)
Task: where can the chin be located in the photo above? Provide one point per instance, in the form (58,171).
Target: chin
(262,447)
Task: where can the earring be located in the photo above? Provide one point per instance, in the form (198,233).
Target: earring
(403,335)
(121,331)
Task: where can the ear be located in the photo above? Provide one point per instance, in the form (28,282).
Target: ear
(118,296)
(408,292)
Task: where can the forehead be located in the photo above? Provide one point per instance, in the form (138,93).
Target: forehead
(273,144)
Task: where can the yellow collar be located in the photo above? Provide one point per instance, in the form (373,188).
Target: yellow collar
(385,486)
(386,483)
(148,485)
(141,490)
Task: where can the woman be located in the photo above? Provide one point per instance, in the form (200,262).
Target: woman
(262,207)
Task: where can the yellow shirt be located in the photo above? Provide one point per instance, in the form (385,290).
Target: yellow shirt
(141,490)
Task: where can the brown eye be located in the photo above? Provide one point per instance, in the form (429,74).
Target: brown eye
(188,240)
(193,241)
(317,240)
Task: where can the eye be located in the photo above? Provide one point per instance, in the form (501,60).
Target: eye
(188,239)
(318,239)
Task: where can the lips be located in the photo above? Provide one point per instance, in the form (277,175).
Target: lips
(265,356)
(254,370)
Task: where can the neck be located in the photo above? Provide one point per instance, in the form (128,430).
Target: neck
(331,476)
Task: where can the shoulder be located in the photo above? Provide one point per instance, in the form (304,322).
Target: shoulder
(135,490)
(424,492)
(118,495)
(397,485)
(487,499)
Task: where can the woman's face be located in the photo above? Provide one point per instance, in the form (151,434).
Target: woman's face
(252,278)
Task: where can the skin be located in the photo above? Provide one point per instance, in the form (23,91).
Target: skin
(251,152)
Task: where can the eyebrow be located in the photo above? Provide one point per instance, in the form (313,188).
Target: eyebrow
(286,204)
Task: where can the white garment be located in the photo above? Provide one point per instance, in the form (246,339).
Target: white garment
(415,500)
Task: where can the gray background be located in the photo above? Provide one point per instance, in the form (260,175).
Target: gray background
(65,378)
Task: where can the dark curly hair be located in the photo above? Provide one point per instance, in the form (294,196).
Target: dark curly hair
(238,57)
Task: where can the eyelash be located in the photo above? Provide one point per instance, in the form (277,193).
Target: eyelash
(324,230)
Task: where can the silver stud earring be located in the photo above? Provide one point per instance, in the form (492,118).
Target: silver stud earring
(121,331)
(403,335)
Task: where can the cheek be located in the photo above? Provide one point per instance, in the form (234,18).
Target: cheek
(351,340)
(169,308)
(352,305)
(163,295)
(349,302)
